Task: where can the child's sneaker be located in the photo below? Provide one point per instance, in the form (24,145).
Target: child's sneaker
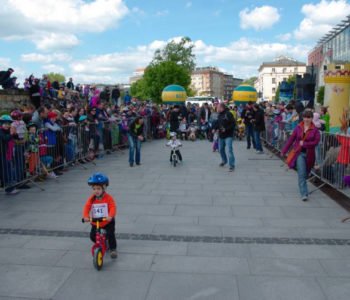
(114,254)
(13,192)
(52,175)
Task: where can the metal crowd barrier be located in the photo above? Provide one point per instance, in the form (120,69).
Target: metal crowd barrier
(332,154)
(41,153)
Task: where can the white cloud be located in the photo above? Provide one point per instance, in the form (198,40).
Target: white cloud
(53,68)
(162,13)
(113,67)
(46,58)
(284,37)
(36,20)
(241,57)
(100,78)
(189,4)
(138,11)
(259,18)
(244,56)
(57,41)
(320,18)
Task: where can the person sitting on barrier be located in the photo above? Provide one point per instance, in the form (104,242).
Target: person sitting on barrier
(101,205)
(8,136)
(302,143)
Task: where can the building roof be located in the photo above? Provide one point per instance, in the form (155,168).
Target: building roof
(206,70)
(335,31)
(282,61)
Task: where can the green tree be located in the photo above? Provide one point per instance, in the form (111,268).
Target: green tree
(56,77)
(158,76)
(138,89)
(171,65)
(250,80)
(320,95)
(277,96)
(293,79)
(180,53)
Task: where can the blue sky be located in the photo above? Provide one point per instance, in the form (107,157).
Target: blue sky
(106,40)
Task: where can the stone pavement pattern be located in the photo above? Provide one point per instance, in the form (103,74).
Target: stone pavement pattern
(197,199)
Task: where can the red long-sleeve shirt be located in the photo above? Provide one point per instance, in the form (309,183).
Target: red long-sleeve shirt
(93,203)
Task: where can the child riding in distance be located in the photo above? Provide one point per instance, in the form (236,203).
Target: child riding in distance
(174,143)
(101,205)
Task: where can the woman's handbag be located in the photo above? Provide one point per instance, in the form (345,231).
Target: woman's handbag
(291,155)
(294,152)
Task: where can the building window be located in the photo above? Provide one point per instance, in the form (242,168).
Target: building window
(284,70)
(295,69)
(273,70)
(273,80)
(273,90)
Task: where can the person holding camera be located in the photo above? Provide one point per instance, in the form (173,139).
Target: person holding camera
(225,126)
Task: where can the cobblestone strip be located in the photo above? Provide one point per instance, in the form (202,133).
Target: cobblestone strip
(181,238)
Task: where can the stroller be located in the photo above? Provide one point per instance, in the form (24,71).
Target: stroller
(161,130)
(202,132)
(192,131)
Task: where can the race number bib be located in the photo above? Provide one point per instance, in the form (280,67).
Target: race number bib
(100,210)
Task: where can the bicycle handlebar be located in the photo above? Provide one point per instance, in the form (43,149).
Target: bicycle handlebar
(95,220)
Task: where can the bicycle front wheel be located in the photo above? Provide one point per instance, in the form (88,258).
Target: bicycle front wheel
(98,259)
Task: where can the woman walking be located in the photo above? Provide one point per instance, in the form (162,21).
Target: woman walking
(302,144)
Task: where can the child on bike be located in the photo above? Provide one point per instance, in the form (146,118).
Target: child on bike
(101,205)
(174,143)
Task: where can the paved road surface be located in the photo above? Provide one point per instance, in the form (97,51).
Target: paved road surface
(191,232)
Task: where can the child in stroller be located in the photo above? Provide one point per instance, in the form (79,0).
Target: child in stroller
(192,131)
(183,129)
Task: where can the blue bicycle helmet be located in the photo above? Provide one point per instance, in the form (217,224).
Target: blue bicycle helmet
(98,179)
(6,119)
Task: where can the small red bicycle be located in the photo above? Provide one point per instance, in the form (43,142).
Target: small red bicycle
(100,247)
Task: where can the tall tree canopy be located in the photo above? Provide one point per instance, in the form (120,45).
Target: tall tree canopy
(180,53)
(171,65)
(56,77)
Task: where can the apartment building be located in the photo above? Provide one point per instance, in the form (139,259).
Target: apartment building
(271,74)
